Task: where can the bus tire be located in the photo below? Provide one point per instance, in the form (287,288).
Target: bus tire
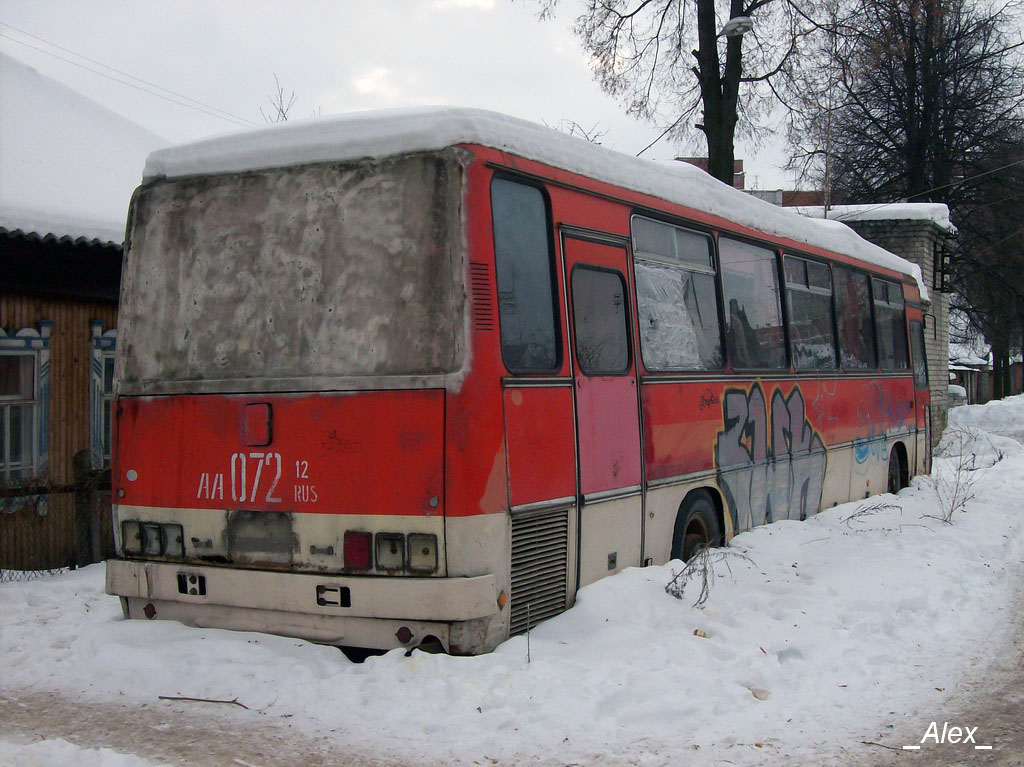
(696,526)
(897,471)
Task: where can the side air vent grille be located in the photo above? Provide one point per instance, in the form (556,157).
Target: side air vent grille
(480,287)
(540,548)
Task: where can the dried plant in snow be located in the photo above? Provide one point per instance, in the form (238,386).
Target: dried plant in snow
(702,570)
(867,510)
(954,489)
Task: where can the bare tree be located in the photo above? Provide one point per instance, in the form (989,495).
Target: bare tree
(594,134)
(986,273)
(673,61)
(923,100)
(280,104)
(907,98)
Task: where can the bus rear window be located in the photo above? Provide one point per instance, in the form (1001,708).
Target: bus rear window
(296,273)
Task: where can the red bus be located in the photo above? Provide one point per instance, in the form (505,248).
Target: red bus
(416,377)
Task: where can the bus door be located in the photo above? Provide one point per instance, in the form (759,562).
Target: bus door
(610,506)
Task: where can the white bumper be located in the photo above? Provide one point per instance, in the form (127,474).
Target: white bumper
(360,611)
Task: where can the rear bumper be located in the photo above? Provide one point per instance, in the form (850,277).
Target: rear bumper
(344,610)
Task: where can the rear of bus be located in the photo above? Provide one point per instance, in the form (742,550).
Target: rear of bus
(289,338)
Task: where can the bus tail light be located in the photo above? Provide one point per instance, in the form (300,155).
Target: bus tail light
(390,551)
(357,550)
(151,546)
(422,552)
(152,539)
(174,541)
(131,537)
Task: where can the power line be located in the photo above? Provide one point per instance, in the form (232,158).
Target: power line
(126,74)
(196,105)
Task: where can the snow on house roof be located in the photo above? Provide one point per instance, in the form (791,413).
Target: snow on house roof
(887,211)
(383,133)
(972,354)
(68,165)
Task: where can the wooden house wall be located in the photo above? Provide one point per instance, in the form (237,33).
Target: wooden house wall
(29,541)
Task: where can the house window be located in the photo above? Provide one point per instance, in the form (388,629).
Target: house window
(107,396)
(101,393)
(18,415)
(24,392)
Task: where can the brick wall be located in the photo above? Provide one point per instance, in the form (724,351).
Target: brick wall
(918,241)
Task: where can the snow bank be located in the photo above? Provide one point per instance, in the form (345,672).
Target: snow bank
(824,634)
(999,415)
(68,166)
(389,132)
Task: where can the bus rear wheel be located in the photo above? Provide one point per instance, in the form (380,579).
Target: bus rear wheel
(696,526)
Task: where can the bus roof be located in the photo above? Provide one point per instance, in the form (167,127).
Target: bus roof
(384,133)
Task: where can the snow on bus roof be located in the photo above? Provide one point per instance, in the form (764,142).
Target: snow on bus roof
(383,133)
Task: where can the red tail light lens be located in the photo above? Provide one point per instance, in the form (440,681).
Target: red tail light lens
(358,547)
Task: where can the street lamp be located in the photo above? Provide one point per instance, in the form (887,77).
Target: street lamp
(736,26)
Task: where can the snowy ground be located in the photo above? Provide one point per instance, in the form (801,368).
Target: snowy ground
(854,625)
(61,753)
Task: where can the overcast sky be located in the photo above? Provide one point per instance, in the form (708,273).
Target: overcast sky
(337,56)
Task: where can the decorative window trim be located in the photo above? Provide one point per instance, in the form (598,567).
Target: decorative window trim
(34,341)
(103,346)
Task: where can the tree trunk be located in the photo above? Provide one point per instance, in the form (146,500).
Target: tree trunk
(719,92)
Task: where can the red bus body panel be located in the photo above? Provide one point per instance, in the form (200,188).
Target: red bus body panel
(376,452)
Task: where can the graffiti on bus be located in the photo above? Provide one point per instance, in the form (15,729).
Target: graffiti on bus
(770,461)
(879,405)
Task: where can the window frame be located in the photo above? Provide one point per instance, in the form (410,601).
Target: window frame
(553,268)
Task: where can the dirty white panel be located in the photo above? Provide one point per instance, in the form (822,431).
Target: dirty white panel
(321,270)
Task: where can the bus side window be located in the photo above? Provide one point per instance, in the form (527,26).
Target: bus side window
(524,267)
(676,298)
(890,324)
(856,333)
(811,319)
(920,360)
(753,315)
